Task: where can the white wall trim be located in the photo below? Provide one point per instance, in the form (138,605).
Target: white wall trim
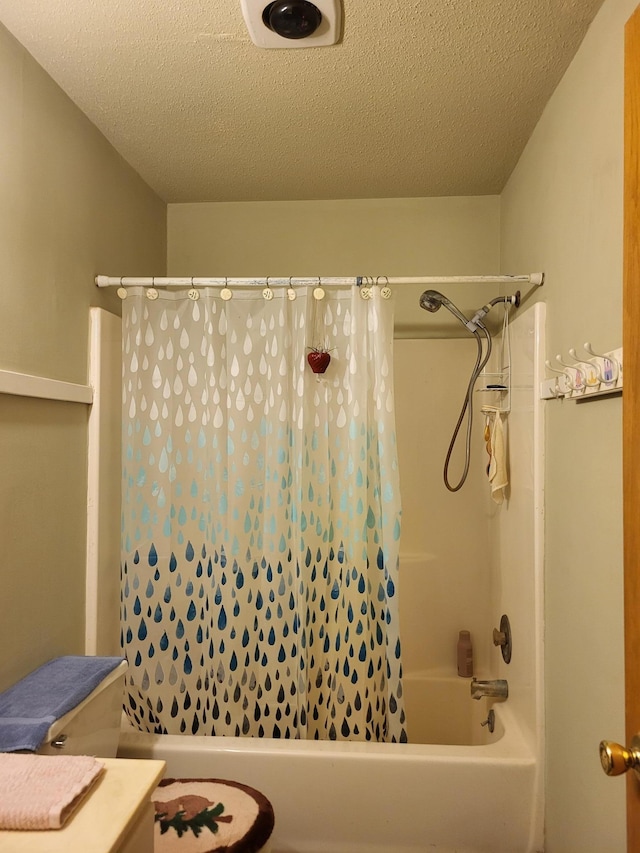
(102,586)
(28,385)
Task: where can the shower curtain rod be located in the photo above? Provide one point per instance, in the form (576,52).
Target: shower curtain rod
(536,279)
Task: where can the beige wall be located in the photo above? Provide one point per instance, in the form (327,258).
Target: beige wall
(396,237)
(562,212)
(70,208)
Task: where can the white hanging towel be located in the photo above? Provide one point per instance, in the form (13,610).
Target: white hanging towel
(498,474)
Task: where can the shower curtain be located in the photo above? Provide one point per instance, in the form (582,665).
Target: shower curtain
(261,515)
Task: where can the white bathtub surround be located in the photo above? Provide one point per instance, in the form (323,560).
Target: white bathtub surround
(517,548)
(468,560)
(465,560)
(517,529)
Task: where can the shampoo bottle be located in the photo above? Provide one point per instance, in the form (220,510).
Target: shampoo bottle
(465,655)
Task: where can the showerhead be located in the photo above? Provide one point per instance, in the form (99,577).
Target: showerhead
(431,300)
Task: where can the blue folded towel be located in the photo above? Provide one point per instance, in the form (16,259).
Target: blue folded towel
(28,709)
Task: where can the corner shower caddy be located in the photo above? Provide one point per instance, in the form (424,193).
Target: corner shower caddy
(496,385)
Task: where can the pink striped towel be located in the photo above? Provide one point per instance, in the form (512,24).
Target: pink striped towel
(41,791)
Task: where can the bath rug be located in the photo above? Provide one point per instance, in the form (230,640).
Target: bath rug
(42,791)
(210,816)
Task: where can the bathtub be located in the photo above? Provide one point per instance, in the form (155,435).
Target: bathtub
(464,790)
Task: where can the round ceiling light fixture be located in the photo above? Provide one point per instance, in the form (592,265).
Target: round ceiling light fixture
(293,23)
(295,19)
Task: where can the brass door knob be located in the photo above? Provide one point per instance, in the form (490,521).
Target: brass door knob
(617,759)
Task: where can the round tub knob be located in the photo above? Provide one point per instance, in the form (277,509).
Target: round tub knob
(617,759)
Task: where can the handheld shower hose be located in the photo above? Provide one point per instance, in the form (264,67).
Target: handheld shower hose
(432,300)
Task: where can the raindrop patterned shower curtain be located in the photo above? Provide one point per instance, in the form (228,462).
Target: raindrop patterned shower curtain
(261,516)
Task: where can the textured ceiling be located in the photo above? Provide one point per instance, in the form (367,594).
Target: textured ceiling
(419,98)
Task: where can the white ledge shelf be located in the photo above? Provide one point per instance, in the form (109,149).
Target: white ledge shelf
(27,385)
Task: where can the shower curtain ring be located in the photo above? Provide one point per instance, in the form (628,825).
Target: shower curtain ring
(194,293)
(366,289)
(291,293)
(318,291)
(122,291)
(385,291)
(267,293)
(226,293)
(152,293)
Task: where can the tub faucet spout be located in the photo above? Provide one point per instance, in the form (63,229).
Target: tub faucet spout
(497,689)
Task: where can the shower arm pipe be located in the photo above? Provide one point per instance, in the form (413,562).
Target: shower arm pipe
(536,279)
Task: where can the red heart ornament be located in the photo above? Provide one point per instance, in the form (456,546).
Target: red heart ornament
(318,361)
